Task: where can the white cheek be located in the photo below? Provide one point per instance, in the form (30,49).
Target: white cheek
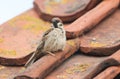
(52,26)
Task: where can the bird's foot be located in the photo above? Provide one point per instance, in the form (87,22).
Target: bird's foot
(50,53)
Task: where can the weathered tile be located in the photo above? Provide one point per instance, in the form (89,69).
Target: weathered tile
(109,73)
(30,26)
(20,36)
(103,39)
(48,63)
(9,72)
(67,10)
(84,67)
(91,18)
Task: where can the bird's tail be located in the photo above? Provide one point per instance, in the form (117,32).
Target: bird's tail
(36,55)
(31,60)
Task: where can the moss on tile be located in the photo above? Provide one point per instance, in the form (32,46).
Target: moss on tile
(5,52)
(97,44)
(71,42)
(77,68)
(1,40)
(30,23)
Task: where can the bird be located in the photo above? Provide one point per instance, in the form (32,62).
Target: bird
(53,40)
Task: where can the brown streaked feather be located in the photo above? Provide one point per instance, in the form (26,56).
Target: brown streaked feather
(48,31)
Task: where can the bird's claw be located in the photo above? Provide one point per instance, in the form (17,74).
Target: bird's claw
(51,53)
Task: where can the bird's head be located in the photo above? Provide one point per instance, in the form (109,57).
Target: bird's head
(57,23)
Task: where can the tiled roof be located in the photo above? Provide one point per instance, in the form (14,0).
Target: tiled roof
(91,55)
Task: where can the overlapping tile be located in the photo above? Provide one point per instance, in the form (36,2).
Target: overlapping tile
(67,10)
(84,67)
(20,36)
(48,63)
(91,18)
(30,27)
(103,39)
(109,73)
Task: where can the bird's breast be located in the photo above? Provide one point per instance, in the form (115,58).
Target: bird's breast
(55,41)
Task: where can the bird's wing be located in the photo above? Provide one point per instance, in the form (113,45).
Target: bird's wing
(38,52)
(47,32)
(44,37)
